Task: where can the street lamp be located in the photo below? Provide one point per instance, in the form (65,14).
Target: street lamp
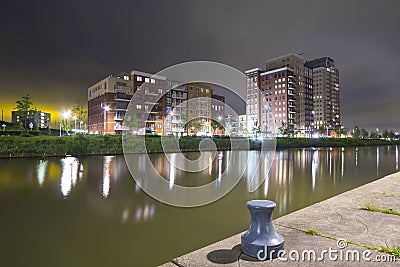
(65,117)
(4,127)
(106,108)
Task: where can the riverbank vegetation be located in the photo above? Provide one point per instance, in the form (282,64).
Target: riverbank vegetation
(42,146)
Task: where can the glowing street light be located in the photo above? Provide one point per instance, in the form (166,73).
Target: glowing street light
(65,115)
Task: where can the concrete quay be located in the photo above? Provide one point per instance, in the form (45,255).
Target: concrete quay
(334,232)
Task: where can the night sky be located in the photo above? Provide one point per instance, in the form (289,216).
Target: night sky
(54,50)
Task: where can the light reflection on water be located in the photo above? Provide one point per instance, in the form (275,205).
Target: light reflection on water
(90,195)
(324,164)
(282,168)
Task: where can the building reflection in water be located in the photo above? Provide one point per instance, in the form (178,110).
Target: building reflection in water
(106,175)
(172,165)
(145,212)
(342,163)
(219,177)
(314,167)
(377,161)
(41,171)
(356,156)
(70,171)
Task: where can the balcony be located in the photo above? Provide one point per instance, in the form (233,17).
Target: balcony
(122,97)
(119,127)
(151,92)
(118,118)
(290,92)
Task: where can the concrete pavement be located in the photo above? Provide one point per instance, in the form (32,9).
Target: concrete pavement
(339,217)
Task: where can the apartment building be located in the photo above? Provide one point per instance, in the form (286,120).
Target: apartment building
(218,115)
(108,100)
(36,118)
(159,105)
(176,108)
(199,108)
(326,92)
(298,80)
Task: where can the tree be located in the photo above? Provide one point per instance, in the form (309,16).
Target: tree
(322,130)
(131,119)
(339,130)
(24,109)
(364,133)
(197,126)
(391,135)
(286,129)
(373,135)
(65,126)
(79,112)
(385,134)
(356,132)
(214,125)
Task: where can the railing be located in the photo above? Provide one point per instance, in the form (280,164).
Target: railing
(121,128)
(118,118)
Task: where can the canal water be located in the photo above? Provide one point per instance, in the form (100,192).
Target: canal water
(88,211)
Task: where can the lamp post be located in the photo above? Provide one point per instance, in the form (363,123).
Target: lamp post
(65,116)
(106,108)
(4,127)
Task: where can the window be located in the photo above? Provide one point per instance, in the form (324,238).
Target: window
(138,106)
(139,79)
(153,81)
(147,80)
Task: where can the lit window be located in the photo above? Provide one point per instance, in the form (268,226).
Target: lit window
(147,80)
(139,79)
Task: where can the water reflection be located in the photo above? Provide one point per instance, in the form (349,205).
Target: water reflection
(314,167)
(106,175)
(377,161)
(41,171)
(69,176)
(172,165)
(100,196)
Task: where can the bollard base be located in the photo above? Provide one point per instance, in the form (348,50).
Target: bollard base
(258,251)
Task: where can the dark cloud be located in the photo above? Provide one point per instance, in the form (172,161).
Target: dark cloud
(56,49)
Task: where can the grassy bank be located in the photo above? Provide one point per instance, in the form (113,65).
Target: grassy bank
(43,146)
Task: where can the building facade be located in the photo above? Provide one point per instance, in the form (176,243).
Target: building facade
(108,100)
(294,94)
(160,106)
(298,80)
(36,118)
(199,109)
(326,92)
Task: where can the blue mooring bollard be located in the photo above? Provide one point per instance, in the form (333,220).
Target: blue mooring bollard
(261,241)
